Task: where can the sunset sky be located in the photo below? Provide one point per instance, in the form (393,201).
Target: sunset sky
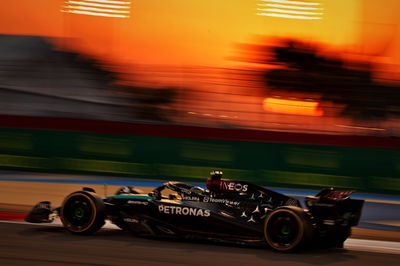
(195,32)
(206,32)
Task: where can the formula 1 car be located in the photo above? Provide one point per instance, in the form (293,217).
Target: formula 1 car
(227,210)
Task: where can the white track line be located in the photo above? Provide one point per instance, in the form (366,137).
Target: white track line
(373,246)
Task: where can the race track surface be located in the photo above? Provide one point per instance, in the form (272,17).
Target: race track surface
(375,242)
(29,244)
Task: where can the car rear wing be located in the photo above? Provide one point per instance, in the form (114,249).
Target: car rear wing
(332,194)
(332,207)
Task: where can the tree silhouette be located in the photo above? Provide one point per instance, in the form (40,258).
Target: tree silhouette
(298,67)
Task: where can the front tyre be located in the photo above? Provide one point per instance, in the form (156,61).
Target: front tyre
(82,213)
(287,229)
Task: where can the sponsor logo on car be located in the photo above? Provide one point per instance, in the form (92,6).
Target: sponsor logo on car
(234,186)
(224,201)
(131,220)
(191,198)
(178,210)
(186,191)
(43,206)
(138,202)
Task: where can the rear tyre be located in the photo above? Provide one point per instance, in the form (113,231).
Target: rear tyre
(287,229)
(82,213)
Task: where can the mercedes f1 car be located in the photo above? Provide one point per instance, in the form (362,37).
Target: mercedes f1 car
(227,210)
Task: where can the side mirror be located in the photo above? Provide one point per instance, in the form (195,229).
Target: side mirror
(172,197)
(155,195)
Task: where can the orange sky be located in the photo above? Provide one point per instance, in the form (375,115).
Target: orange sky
(202,32)
(176,31)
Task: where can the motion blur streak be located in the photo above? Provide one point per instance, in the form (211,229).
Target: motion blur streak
(366,128)
(291,2)
(291,7)
(386,247)
(286,16)
(291,14)
(292,107)
(289,11)
(200,64)
(110,2)
(94,14)
(353,244)
(96,9)
(98,5)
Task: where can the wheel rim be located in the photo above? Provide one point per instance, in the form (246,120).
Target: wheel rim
(78,212)
(283,230)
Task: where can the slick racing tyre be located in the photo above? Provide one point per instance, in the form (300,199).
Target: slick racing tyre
(287,229)
(82,213)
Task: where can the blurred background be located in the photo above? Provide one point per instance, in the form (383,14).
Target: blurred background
(319,68)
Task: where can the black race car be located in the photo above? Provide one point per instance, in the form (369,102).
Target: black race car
(227,210)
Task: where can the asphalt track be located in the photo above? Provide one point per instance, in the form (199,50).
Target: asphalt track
(19,191)
(29,244)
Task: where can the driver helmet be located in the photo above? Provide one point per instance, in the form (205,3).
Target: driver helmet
(216,175)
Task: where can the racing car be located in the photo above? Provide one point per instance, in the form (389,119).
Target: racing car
(227,210)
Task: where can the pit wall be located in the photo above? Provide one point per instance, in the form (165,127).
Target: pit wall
(367,164)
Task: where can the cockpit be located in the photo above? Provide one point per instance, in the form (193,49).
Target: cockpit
(178,191)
